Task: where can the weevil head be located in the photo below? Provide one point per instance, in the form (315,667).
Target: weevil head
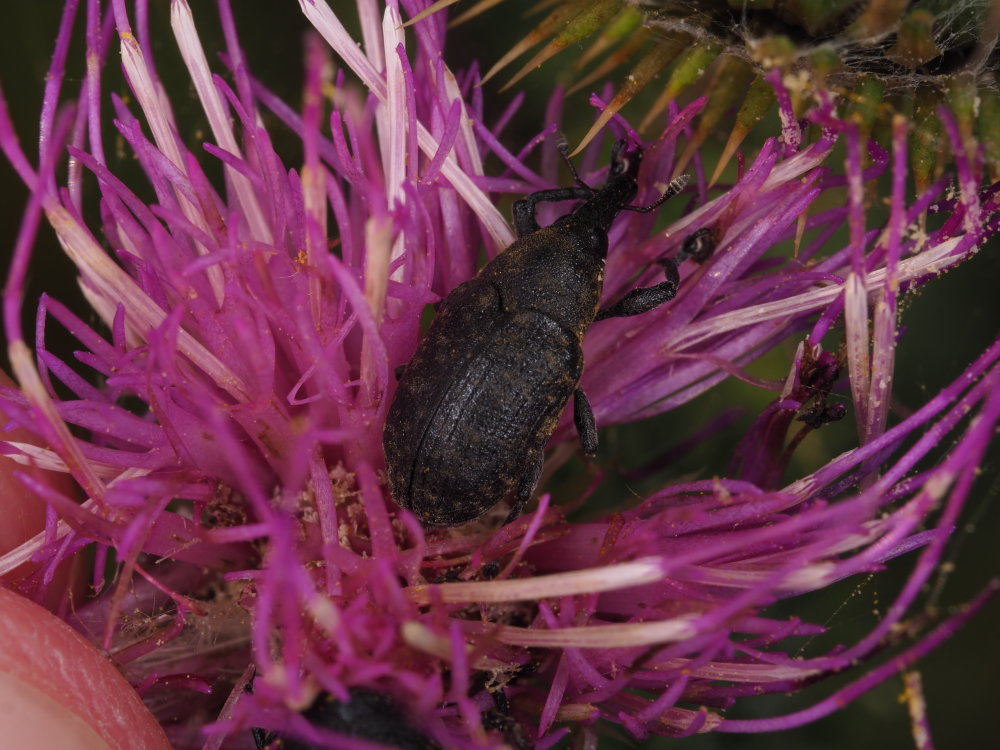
(625,161)
(620,188)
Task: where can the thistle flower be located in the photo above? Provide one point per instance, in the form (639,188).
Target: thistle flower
(223,419)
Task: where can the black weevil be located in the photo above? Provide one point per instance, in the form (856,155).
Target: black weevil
(484,391)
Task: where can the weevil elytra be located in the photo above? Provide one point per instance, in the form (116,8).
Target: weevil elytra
(486,387)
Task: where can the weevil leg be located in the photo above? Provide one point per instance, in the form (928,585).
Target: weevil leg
(586,427)
(524,209)
(562,146)
(525,490)
(645,298)
(400,369)
(676,185)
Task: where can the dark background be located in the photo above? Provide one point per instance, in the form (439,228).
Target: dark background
(946,325)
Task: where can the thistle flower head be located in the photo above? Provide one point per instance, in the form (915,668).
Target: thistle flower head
(224,417)
(880,57)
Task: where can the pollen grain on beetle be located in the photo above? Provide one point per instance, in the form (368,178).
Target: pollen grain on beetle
(223,409)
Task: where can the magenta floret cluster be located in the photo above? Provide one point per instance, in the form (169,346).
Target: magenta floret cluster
(223,419)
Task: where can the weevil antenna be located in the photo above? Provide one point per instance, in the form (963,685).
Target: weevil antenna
(562,146)
(676,185)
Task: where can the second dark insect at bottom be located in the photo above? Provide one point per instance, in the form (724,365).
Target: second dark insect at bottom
(369,715)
